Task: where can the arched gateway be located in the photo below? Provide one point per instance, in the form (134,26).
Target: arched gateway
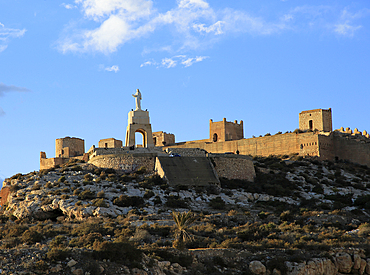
(138,121)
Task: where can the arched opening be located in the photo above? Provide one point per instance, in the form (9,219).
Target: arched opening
(140,138)
(310,125)
(215,137)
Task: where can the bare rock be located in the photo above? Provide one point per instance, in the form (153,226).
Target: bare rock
(256,267)
(356,261)
(71,263)
(344,262)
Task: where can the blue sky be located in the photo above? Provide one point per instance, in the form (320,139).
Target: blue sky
(69,68)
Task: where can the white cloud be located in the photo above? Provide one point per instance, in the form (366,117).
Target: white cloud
(148,63)
(190,61)
(216,28)
(3,47)
(114,68)
(346,25)
(68,6)
(7,33)
(346,29)
(174,61)
(168,63)
(193,24)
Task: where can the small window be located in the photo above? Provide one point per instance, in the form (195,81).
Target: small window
(215,138)
(310,124)
(106,145)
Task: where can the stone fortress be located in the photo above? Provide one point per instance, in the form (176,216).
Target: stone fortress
(226,153)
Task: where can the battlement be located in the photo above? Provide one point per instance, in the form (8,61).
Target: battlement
(224,130)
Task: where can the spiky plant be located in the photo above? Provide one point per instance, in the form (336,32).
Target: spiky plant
(182,221)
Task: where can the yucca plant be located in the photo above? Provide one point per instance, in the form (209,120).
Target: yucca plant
(182,221)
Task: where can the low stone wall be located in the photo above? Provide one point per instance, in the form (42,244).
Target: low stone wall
(126,162)
(233,166)
(187,152)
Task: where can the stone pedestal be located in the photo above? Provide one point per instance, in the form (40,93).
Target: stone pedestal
(138,121)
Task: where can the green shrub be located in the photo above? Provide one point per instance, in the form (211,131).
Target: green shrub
(120,251)
(101,194)
(58,241)
(86,195)
(127,201)
(57,254)
(100,203)
(217,203)
(175,202)
(31,237)
(62,179)
(86,240)
(141,170)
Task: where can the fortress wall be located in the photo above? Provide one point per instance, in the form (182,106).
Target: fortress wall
(352,149)
(126,162)
(326,147)
(308,144)
(234,167)
(283,144)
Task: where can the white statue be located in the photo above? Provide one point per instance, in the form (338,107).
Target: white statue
(137,99)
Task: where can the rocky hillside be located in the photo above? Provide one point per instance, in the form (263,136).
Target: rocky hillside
(299,216)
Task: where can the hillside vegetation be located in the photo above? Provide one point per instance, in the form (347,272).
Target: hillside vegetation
(299,216)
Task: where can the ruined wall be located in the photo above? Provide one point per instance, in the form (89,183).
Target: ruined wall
(51,162)
(126,162)
(162,138)
(225,130)
(69,147)
(233,166)
(319,119)
(110,143)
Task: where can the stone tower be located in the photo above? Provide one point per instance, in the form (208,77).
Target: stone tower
(319,119)
(225,130)
(138,121)
(69,147)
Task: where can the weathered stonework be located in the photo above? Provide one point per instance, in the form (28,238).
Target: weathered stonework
(126,162)
(233,166)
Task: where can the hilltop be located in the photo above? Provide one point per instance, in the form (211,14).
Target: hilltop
(299,216)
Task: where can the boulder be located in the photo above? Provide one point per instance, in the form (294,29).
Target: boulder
(256,267)
(343,262)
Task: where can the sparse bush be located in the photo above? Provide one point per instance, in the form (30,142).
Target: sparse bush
(217,203)
(100,203)
(57,254)
(126,201)
(86,195)
(62,179)
(175,202)
(100,194)
(31,236)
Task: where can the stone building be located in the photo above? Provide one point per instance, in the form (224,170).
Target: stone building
(162,138)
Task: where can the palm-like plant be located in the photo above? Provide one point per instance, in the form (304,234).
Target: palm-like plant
(182,221)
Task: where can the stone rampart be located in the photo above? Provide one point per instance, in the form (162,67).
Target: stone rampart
(233,166)
(126,162)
